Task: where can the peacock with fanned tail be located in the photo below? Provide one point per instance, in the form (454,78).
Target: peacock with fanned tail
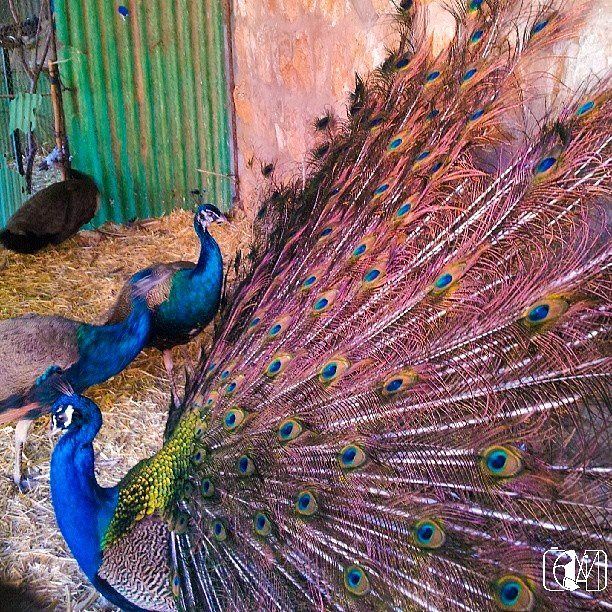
(406,405)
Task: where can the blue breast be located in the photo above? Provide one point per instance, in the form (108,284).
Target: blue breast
(194,298)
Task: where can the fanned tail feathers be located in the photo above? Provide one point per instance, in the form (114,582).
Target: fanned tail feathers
(406,408)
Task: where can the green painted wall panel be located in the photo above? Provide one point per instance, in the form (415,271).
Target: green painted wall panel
(149,101)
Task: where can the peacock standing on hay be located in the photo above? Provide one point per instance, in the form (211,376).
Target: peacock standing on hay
(187,297)
(404,408)
(38,352)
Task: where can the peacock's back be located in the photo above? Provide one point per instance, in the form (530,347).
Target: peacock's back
(30,344)
(404,409)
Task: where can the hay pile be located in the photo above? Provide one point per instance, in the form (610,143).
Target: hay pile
(79,279)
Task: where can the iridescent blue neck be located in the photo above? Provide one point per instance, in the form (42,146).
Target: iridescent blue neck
(83,508)
(208,248)
(105,350)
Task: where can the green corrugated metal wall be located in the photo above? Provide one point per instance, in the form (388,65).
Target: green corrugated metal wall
(149,101)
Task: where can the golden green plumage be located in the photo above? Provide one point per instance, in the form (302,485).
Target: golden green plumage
(153,485)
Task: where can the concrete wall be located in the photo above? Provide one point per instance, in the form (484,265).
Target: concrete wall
(294,59)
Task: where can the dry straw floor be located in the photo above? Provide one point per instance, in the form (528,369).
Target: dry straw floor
(79,279)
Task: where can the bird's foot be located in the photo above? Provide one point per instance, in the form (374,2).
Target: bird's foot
(29,482)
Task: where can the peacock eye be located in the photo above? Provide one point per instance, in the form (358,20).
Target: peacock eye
(225,374)
(474,5)
(324,302)
(476,36)
(432,76)
(289,430)
(231,387)
(275,330)
(176,585)
(432,114)
(545,311)
(585,108)
(501,462)
(447,278)
(212,398)
(262,524)
(477,114)
(396,143)
(362,247)
(180,523)
(218,530)
(539,26)
(545,165)
(443,281)
(397,382)
(333,369)
(428,534)
(402,63)
(380,191)
(199,429)
(371,275)
(512,593)
(356,580)
(326,233)
(245,465)
(351,456)
(306,503)
(255,321)
(207,488)
(309,282)
(233,419)
(198,456)
(277,365)
(403,210)
(468,75)
(435,167)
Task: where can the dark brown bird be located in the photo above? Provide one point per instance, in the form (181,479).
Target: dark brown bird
(52,215)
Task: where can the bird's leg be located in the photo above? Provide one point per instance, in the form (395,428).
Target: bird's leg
(21,435)
(169,365)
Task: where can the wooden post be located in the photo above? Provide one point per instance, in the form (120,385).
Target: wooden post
(59,120)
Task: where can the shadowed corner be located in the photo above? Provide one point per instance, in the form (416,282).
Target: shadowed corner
(19,599)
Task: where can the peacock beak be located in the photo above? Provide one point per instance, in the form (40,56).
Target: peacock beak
(221,219)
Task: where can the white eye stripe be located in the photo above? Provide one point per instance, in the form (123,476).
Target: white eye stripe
(68,412)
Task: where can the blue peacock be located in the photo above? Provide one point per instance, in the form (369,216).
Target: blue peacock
(405,405)
(187,296)
(37,352)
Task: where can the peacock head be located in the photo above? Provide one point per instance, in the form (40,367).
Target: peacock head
(72,412)
(206,215)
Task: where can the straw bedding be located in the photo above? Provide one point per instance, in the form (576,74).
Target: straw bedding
(79,279)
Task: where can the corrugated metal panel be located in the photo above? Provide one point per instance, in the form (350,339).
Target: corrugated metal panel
(148,104)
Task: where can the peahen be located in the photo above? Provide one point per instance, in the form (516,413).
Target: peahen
(39,352)
(188,295)
(406,405)
(52,215)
